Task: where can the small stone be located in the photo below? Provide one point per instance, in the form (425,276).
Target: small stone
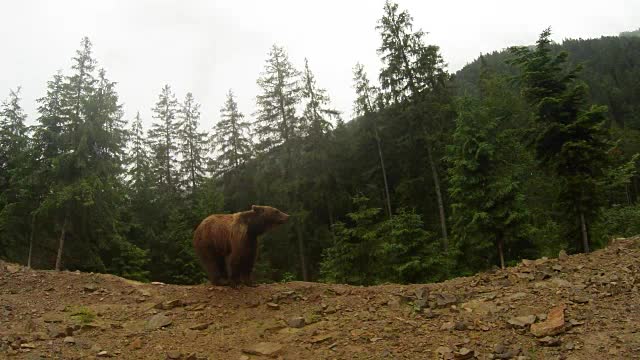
(580,299)
(459,325)
(522,321)
(90,287)
(549,341)
(168,305)
(557,267)
(321,338)
(69,340)
(136,344)
(463,354)
(569,346)
(273,306)
(27,346)
(450,325)
(174,355)
(103,353)
(296,322)
(158,321)
(443,300)
(444,351)
(561,282)
(264,349)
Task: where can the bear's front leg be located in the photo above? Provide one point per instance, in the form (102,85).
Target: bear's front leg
(234,270)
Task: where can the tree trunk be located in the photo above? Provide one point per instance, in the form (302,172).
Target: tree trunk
(303,261)
(384,170)
(585,237)
(501,250)
(33,225)
(436,182)
(61,244)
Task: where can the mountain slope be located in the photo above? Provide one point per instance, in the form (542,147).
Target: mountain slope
(72,315)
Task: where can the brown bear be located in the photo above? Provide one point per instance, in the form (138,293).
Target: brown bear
(227,244)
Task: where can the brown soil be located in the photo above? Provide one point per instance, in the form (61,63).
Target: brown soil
(68,315)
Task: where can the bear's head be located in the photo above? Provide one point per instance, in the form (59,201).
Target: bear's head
(264,218)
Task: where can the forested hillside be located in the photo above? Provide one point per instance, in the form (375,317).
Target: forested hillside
(520,154)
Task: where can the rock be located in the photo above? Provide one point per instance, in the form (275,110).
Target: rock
(561,282)
(464,354)
(460,325)
(444,299)
(549,341)
(522,321)
(579,299)
(450,325)
(12,269)
(103,353)
(273,306)
(562,255)
(136,344)
(90,287)
(527,262)
(516,296)
(264,349)
(168,305)
(320,338)
(27,346)
(55,331)
(444,352)
(296,322)
(157,321)
(421,293)
(144,292)
(557,268)
(569,346)
(202,326)
(480,307)
(525,276)
(574,322)
(553,325)
(69,340)
(174,355)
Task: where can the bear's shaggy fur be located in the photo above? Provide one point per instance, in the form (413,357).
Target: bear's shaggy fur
(227,244)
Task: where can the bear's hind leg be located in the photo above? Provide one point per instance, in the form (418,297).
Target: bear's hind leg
(212,268)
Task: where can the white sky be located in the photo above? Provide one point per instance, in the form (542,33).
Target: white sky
(207,47)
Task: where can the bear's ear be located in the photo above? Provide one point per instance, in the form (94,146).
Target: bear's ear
(256,208)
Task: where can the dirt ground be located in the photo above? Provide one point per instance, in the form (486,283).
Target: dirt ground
(575,307)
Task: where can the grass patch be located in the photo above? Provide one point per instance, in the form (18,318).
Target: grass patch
(82,315)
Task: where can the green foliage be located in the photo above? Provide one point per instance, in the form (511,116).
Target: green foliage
(371,250)
(570,139)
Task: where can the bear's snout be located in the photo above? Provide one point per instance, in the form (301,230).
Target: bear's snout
(284,217)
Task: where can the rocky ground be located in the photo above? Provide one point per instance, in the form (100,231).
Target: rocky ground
(572,307)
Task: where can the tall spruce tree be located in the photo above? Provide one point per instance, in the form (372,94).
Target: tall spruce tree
(192,145)
(162,137)
(366,105)
(412,74)
(317,114)
(231,136)
(276,121)
(570,139)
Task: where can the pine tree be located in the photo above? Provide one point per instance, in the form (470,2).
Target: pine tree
(192,145)
(277,122)
(365,105)
(487,200)
(413,71)
(162,137)
(16,163)
(231,136)
(569,138)
(138,159)
(317,115)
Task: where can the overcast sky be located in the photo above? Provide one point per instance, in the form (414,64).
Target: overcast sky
(208,47)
